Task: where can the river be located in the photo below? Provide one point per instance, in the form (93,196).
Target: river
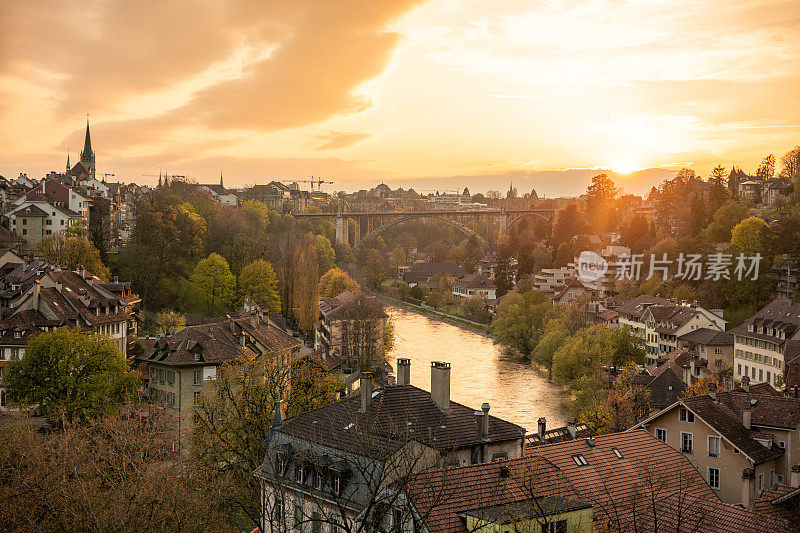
(480,372)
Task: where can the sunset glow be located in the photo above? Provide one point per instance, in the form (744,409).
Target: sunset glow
(404,91)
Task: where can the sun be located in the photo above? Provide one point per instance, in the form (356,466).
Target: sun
(624,165)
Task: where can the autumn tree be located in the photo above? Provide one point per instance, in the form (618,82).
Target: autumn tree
(723,221)
(621,407)
(767,168)
(750,235)
(306,287)
(169,322)
(72,251)
(700,386)
(213,281)
(259,282)
(71,375)
(504,274)
(335,281)
(601,197)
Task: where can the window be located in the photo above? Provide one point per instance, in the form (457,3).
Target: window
(298,516)
(713,478)
(687,442)
(171,377)
(769,377)
(781,445)
(298,473)
(198,377)
(580,460)
(713,446)
(24,232)
(617,453)
(686,415)
(318,480)
(556,526)
(760,482)
(196,398)
(760,374)
(337,485)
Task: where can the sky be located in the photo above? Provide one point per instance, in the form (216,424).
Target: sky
(434,95)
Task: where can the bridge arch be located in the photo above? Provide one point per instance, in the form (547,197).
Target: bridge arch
(512,221)
(469,232)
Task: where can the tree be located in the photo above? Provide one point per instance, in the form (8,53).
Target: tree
(397,258)
(214,281)
(306,287)
(623,405)
(723,221)
(373,267)
(520,320)
(601,196)
(169,322)
(767,168)
(335,281)
(504,274)
(115,473)
(326,257)
(71,375)
(259,282)
(567,224)
(700,386)
(749,235)
(72,251)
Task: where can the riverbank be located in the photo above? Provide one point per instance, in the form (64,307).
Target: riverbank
(475,327)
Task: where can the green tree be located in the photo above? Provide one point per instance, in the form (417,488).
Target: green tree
(504,272)
(259,282)
(169,322)
(723,221)
(214,281)
(520,320)
(335,281)
(374,268)
(326,257)
(71,375)
(555,335)
(750,235)
(72,251)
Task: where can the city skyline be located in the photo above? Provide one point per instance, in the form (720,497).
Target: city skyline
(425,94)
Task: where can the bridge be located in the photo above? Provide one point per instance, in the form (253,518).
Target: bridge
(468,222)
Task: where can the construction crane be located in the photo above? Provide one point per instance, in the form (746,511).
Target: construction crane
(312,181)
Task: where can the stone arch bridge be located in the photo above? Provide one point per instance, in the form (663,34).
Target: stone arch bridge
(469,222)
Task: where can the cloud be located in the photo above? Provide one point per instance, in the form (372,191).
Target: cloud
(336,140)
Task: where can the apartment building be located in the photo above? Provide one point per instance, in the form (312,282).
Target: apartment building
(725,434)
(550,279)
(178,369)
(338,464)
(713,346)
(351,326)
(760,341)
(475,286)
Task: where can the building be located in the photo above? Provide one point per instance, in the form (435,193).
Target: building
(618,482)
(550,279)
(220,194)
(572,290)
(475,286)
(724,434)
(336,463)
(424,273)
(714,347)
(351,327)
(87,154)
(664,385)
(179,368)
(760,341)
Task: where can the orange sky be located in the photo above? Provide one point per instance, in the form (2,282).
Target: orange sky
(428,94)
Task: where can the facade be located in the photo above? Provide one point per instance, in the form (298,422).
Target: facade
(722,437)
(475,286)
(550,279)
(178,369)
(713,346)
(351,327)
(342,463)
(761,340)
(423,273)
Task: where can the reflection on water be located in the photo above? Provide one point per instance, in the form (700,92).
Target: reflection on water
(480,373)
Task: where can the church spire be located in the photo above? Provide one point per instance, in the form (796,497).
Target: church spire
(220,179)
(68,167)
(87,155)
(159,179)
(87,143)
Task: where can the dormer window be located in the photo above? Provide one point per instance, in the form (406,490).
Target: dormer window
(197,357)
(580,460)
(17,334)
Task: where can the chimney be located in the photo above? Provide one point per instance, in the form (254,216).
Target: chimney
(692,367)
(366,390)
(745,384)
(440,385)
(794,476)
(748,488)
(403,371)
(36,287)
(712,391)
(747,414)
(485,421)
(573,430)
(542,423)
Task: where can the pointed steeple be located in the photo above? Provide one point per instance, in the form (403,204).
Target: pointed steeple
(87,143)
(87,155)
(159,179)
(220,179)
(68,167)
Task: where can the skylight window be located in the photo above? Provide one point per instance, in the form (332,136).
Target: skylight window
(349,426)
(580,460)
(617,453)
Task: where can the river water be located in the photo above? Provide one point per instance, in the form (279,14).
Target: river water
(479,371)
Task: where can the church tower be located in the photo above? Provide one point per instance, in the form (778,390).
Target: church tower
(87,155)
